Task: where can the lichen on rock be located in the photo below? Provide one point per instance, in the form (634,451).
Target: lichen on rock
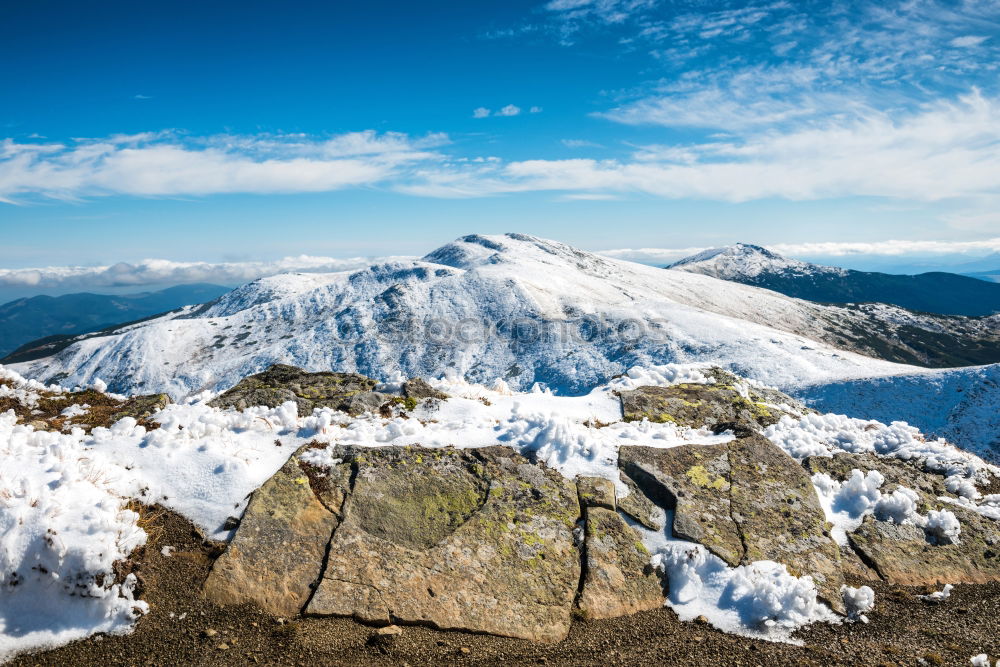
(349,392)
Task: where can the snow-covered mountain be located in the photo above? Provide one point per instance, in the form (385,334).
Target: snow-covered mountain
(743,261)
(512,307)
(936,292)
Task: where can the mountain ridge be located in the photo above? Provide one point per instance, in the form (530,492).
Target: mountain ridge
(31,318)
(934,292)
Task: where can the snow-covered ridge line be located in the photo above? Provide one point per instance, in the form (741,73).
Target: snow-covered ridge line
(512,307)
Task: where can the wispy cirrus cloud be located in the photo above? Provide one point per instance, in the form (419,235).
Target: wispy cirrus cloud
(163,271)
(171,164)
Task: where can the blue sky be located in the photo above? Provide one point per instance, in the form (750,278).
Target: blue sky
(258,130)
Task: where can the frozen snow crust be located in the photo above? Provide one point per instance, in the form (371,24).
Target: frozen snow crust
(70,500)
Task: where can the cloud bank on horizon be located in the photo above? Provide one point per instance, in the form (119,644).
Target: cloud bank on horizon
(163,272)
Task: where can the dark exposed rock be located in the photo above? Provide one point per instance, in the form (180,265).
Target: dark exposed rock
(618,578)
(693,480)
(695,405)
(480,540)
(418,389)
(141,407)
(349,392)
(596,492)
(744,501)
(277,553)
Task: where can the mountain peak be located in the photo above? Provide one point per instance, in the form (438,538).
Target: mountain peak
(745,260)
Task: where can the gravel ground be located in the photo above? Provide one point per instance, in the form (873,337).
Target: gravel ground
(183,629)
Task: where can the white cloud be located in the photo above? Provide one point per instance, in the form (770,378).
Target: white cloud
(891,248)
(967,41)
(162,271)
(480,112)
(509,110)
(580,143)
(589,196)
(650,255)
(165,164)
(946,150)
(535,110)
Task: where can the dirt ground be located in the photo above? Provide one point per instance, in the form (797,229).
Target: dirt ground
(183,629)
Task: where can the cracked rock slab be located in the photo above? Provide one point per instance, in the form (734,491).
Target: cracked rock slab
(277,554)
(596,492)
(745,501)
(640,508)
(478,540)
(618,578)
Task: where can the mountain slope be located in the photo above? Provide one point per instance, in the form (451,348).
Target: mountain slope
(511,307)
(937,292)
(957,404)
(25,320)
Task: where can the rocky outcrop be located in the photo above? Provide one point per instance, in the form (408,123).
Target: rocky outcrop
(903,553)
(718,407)
(349,392)
(744,501)
(479,540)
(418,389)
(277,554)
(485,540)
(618,579)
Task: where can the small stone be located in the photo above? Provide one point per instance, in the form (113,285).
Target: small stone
(596,492)
(698,638)
(701,619)
(223,647)
(418,389)
(386,636)
(464,650)
(210,632)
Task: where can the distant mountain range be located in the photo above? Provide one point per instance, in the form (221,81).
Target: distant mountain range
(26,320)
(936,292)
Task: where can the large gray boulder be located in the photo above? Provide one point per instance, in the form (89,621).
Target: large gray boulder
(478,540)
